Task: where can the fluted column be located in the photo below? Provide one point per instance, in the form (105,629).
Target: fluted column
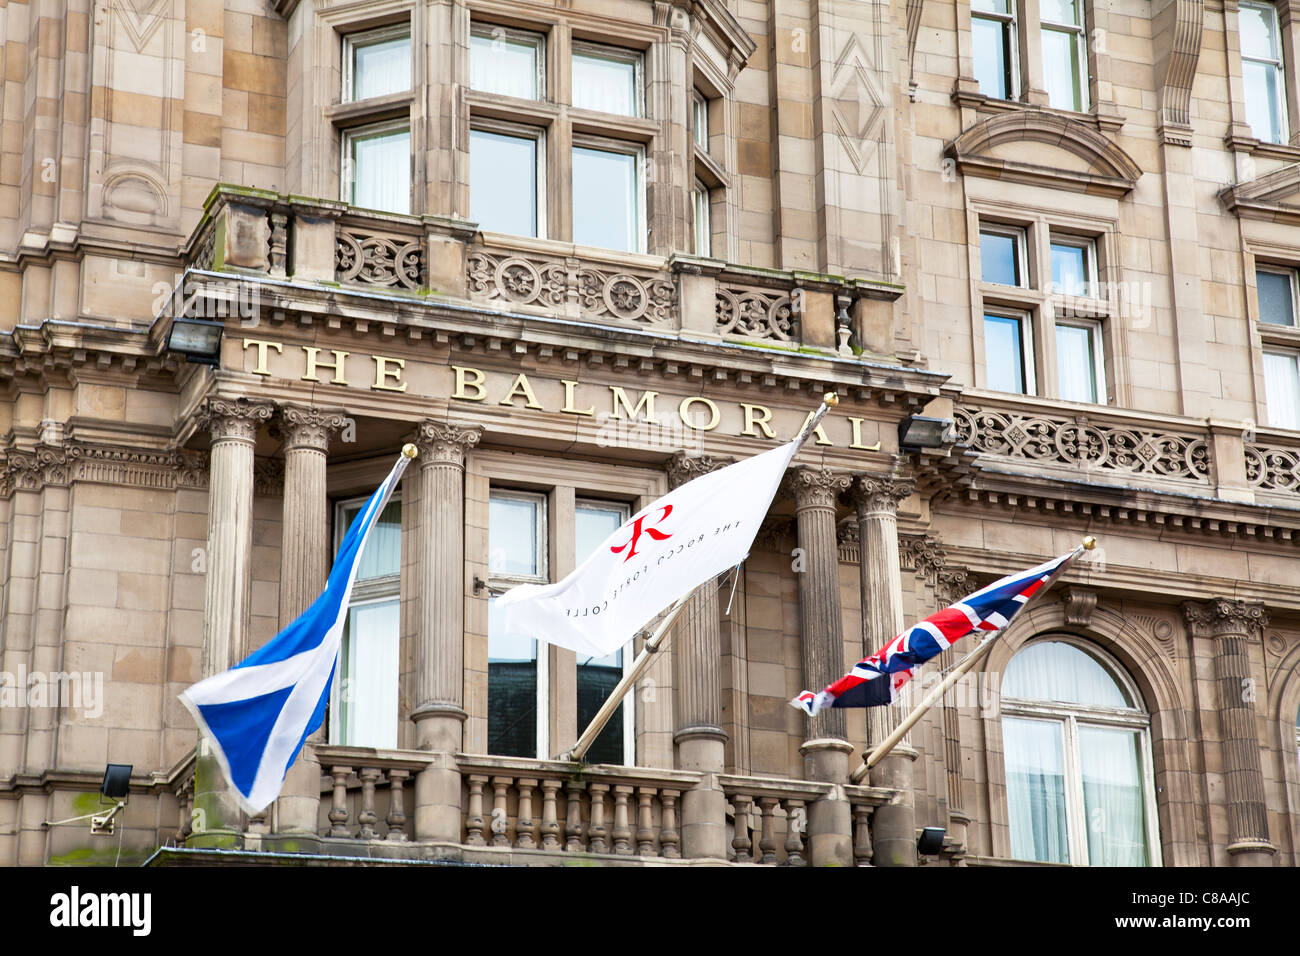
(825,749)
(697,699)
(304,567)
(1233,624)
(227,586)
(439,712)
(876,499)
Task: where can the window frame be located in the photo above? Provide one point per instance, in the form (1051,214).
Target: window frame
(1293,275)
(485,28)
(702,219)
(1136,718)
(375,35)
(1294,356)
(502,581)
(631,148)
(1279,67)
(1027,351)
(699,108)
(1010,37)
(1089,246)
(368,592)
(1096,333)
(603,51)
(1020,237)
(1080,31)
(347,172)
(522,131)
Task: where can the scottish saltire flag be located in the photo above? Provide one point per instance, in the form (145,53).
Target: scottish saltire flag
(258,713)
(876,680)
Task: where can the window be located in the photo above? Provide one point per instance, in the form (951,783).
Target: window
(505,180)
(1008,353)
(1277,296)
(377,167)
(596,521)
(516,671)
(376,63)
(375,157)
(507,62)
(700,120)
(993,41)
(1002,255)
(1076,744)
(1282,389)
(703,235)
(1074,266)
(608,205)
(1261,69)
(1080,369)
(363,699)
(1065,56)
(607,79)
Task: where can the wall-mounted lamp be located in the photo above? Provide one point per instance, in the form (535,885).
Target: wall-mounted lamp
(199,340)
(919,431)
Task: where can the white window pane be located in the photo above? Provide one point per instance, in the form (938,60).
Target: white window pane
(1035,763)
(606,201)
(1275,305)
(1256,26)
(605,83)
(991,6)
(700,122)
(383,554)
(1059,11)
(593,525)
(1113,803)
(597,676)
(381,170)
(503,64)
(1061,70)
(999,258)
(1263,104)
(381,67)
(991,46)
(368,694)
(1004,354)
(1075,366)
(1060,672)
(503,182)
(1069,269)
(1282,389)
(512,690)
(703,237)
(512,535)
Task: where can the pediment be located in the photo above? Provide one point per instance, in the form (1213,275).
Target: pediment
(1044,148)
(1273,197)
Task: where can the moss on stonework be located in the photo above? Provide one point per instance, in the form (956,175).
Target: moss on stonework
(100,856)
(775,346)
(84,803)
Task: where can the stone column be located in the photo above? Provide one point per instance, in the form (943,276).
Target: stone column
(233,424)
(825,749)
(698,733)
(876,498)
(1233,625)
(304,567)
(439,712)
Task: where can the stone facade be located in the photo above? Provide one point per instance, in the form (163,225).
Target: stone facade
(160,519)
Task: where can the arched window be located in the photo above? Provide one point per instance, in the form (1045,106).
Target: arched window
(1077,750)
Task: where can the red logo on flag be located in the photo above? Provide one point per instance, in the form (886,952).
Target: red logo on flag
(637,531)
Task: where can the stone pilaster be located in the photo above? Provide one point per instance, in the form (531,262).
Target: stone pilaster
(876,499)
(233,425)
(697,699)
(304,567)
(825,750)
(439,712)
(1233,624)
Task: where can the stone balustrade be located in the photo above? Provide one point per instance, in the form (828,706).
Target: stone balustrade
(368,792)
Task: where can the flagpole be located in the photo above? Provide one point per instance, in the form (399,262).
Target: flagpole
(969,661)
(661,633)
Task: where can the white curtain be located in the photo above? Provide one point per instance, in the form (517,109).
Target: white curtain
(368,695)
(383,554)
(1036,790)
(1282,389)
(1074,363)
(381,68)
(1056,671)
(605,85)
(381,169)
(1112,796)
(501,65)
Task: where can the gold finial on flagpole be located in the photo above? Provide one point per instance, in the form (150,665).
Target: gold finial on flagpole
(410,451)
(1089,542)
(831,399)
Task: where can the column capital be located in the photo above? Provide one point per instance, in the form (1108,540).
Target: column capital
(682,467)
(234,419)
(875,493)
(1224,616)
(301,426)
(445,442)
(814,487)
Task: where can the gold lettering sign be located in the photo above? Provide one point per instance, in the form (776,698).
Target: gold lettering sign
(314,362)
(383,373)
(262,346)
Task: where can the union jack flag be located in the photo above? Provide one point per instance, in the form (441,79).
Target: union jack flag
(989,609)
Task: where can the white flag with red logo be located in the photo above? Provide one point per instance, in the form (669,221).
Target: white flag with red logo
(660,554)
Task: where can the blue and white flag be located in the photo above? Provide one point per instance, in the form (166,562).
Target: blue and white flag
(258,714)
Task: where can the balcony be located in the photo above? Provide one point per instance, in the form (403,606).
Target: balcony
(521,812)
